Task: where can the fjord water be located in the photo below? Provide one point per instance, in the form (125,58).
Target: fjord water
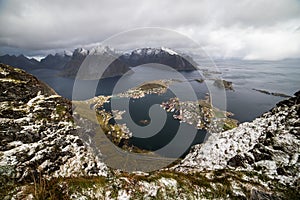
(275,76)
(245,103)
(139,112)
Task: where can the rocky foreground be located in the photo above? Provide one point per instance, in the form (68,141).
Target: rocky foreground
(42,157)
(269,145)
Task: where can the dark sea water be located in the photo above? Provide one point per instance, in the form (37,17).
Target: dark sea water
(245,103)
(274,76)
(138,109)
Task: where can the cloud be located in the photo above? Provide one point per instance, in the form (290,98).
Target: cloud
(250,29)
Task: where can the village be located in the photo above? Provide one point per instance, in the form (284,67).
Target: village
(152,87)
(200,114)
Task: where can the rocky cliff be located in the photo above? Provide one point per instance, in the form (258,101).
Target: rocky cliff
(37,132)
(42,157)
(269,145)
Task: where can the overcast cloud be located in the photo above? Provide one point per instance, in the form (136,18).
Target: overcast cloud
(249,29)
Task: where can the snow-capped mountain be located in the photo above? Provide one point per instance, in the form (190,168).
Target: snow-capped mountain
(97,59)
(102,50)
(80,51)
(152,51)
(120,62)
(161,55)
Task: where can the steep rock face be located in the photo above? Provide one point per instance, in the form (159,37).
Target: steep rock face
(37,133)
(71,67)
(269,145)
(99,62)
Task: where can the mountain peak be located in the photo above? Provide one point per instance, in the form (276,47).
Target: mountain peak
(170,51)
(68,53)
(153,51)
(21,56)
(80,51)
(99,50)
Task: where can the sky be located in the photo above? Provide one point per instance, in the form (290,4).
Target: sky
(246,29)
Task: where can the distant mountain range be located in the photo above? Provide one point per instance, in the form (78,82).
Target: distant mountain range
(122,62)
(57,61)
(20,61)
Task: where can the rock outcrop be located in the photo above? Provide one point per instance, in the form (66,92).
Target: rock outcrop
(271,93)
(37,132)
(223,84)
(269,145)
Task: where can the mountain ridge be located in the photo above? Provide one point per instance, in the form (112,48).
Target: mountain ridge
(120,62)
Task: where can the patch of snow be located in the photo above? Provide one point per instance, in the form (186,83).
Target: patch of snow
(4,72)
(11,80)
(149,51)
(139,51)
(168,182)
(82,51)
(38,97)
(100,50)
(123,195)
(150,189)
(171,52)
